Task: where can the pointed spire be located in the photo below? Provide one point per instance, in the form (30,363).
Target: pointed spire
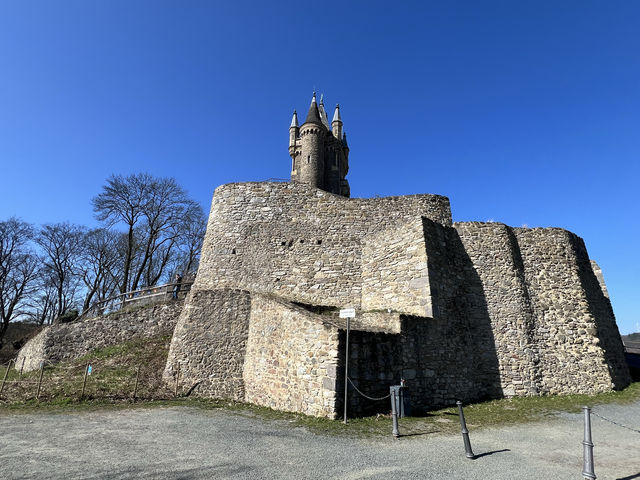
(314,114)
(294,120)
(344,139)
(323,113)
(336,114)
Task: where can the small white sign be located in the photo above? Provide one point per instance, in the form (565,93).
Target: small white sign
(348,313)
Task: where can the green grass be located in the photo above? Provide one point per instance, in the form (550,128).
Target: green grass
(492,413)
(114,368)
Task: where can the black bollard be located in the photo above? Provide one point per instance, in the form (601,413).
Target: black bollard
(465,433)
(587,456)
(394,410)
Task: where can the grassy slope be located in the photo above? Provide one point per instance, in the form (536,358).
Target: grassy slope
(114,370)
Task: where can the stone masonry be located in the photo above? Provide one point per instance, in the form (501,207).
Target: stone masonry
(68,341)
(460,311)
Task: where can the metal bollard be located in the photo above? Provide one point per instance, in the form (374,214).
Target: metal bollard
(465,433)
(394,411)
(587,455)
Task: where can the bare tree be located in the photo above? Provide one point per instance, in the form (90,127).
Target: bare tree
(62,250)
(123,200)
(157,214)
(99,267)
(18,266)
(188,257)
(40,307)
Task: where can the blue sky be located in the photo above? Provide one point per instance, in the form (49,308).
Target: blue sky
(519,112)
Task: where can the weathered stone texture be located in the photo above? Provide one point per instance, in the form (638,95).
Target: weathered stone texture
(598,273)
(395,273)
(209,343)
(495,256)
(299,242)
(68,341)
(291,359)
(575,330)
(465,312)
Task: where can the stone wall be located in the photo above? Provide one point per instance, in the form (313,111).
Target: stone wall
(68,341)
(495,255)
(598,273)
(291,359)
(395,274)
(575,333)
(209,343)
(298,242)
(465,311)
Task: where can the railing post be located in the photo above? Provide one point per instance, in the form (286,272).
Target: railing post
(465,432)
(587,455)
(22,365)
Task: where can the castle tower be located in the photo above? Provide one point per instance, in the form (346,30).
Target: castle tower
(318,153)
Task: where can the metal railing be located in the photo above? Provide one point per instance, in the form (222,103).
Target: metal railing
(141,296)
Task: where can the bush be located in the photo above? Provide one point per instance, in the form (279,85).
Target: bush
(68,316)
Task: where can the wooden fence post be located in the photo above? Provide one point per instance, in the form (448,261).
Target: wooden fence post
(22,365)
(175,393)
(6,374)
(84,382)
(135,389)
(40,380)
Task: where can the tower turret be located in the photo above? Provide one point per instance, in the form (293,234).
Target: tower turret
(311,161)
(294,131)
(318,150)
(336,123)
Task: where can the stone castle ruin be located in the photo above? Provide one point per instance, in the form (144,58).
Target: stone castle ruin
(459,310)
(463,311)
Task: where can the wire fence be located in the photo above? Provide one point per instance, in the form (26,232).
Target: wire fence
(613,422)
(61,383)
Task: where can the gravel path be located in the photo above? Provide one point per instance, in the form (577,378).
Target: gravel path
(187,443)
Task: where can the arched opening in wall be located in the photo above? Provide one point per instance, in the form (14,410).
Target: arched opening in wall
(308,159)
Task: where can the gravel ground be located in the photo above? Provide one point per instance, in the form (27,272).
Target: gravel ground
(188,443)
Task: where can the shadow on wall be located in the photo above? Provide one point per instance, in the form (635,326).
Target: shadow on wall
(601,310)
(442,359)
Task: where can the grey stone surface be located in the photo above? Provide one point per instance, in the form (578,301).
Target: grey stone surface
(298,242)
(465,311)
(209,343)
(67,341)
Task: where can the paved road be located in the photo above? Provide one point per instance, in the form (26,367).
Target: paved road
(186,443)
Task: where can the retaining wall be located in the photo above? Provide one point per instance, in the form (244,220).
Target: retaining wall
(68,341)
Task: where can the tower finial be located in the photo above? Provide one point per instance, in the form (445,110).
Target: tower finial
(336,114)
(294,120)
